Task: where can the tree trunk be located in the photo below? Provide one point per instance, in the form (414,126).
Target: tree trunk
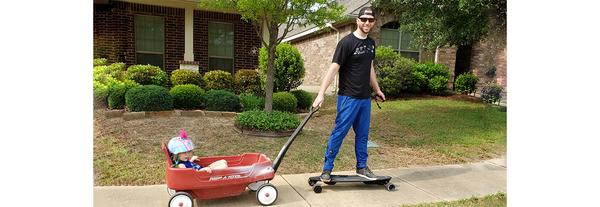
(270,74)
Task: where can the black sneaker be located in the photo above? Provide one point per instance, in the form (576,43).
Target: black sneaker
(366,173)
(326,176)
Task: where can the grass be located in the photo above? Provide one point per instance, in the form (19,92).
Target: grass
(494,200)
(428,131)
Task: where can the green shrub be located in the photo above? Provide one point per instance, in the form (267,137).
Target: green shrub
(183,76)
(431,70)
(218,80)
(221,100)
(284,101)
(385,56)
(394,79)
(187,96)
(465,83)
(251,102)
(148,98)
(304,98)
(100,95)
(261,120)
(491,92)
(415,83)
(147,75)
(100,61)
(289,67)
(438,85)
(247,81)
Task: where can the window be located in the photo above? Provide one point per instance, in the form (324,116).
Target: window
(399,40)
(220,46)
(149,40)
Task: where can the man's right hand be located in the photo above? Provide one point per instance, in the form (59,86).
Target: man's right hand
(318,101)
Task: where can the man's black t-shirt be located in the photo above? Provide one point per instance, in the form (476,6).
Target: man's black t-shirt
(354,56)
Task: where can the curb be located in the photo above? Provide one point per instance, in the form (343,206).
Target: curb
(127,116)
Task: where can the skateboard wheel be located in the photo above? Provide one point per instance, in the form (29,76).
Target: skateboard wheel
(330,183)
(317,189)
(390,187)
(311,182)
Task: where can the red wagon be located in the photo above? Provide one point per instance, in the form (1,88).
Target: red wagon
(252,170)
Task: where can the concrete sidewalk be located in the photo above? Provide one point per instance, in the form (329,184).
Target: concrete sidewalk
(413,185)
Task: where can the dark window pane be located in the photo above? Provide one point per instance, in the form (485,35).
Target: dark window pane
(220,39)
(152,59)
(224,64)
(412,55)
(149,33)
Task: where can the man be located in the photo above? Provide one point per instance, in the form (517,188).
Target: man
(353,58)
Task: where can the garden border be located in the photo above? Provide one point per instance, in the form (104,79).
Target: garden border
(127,116)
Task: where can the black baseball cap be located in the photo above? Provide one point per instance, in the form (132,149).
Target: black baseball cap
(366,12)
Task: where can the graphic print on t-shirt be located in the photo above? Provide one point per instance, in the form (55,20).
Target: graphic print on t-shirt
(364,49)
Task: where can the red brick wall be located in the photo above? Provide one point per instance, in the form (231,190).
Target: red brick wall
(114,35)
(245,39)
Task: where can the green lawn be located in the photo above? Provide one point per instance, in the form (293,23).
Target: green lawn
(430,131)
(494,200)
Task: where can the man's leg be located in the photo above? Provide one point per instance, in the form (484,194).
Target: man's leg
(361,129)
(346,112)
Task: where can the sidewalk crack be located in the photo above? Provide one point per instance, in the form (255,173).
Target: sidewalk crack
(303,198)
(417,187)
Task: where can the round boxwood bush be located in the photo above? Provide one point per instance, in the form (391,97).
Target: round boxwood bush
(187,96)
(385,56)
(183,76)
(116,93)
(465,83)
(261,120)
(491,92)
(304,98)
(251,102)
(148,98)
(247,81)
(100,61)
(100,95)
(218,80)
(147,75)
(438,85)
(396,78)
(289,67)
(221,100)
(284,101)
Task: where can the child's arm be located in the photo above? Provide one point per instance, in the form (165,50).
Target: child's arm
(207,169)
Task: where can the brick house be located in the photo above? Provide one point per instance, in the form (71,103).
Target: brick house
(173,34)
(479,58)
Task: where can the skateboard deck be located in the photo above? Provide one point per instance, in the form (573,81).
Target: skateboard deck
(380,180)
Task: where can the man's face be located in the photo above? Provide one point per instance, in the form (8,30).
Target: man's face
(365,23)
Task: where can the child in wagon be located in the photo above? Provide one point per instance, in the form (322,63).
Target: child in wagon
(181,148)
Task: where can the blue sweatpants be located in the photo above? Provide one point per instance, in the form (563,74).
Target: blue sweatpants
(355,113)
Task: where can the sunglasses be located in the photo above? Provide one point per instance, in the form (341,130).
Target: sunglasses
(367,19)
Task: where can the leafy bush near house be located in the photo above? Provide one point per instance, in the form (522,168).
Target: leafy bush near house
(491,92)
(438,85)
(148,98)
(465,83)
(289,67)
(183,76)
(147,75)
(261,120)
(100,61)
(110,85)
(247,81)
(116,93)
(385,56)
(218,80)
(394,79)
(100,95)
(284,101)
(304,98)
(251,102)
(187,96)
(221,100)
(430,70)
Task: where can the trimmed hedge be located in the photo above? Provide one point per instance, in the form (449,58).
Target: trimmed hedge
(100,61)
(430,70)
(251,102)
(465,83)
(247,81)
(288,66)
(396,78)
(261,120)
(147,75)
(438,85)
(218,80)
(183,76)
(221,100)
(148,98)
(284,101)
(303,97)
(187,96)
(100,95)
(385,56)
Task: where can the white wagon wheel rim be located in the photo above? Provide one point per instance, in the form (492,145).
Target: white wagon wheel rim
(180,201)
(267,195)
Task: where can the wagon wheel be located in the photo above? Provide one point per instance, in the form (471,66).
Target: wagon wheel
(266,194)
(181,199)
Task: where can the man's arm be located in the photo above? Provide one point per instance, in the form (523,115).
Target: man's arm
(374,83)
(333,69)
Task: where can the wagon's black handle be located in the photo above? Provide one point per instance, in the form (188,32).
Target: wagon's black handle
(293,137)
(377,102)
